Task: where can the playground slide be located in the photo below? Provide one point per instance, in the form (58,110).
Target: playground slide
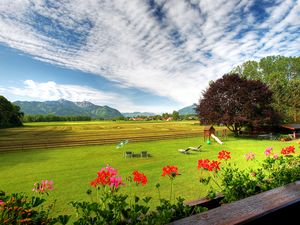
(217,139)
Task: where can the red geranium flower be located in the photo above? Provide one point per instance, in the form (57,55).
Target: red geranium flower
(224,155)
(203,163)
(209,165)
(214,165)
(171,171)
(107,176)
(288,150)
(103,178)
(139,178)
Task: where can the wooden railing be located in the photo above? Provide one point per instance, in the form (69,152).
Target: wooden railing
(277,206)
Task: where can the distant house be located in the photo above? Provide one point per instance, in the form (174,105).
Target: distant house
(169,119)
(291,129)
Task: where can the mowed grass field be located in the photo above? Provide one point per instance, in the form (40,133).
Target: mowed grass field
(64,134)
(72,168)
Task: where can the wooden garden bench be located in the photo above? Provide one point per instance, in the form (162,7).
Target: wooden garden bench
(277,206)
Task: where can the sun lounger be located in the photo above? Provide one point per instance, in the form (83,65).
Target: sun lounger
(196,148)
(184,151)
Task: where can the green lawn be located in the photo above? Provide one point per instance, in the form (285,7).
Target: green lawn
(72,169)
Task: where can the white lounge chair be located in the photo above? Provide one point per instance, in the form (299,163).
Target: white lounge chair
(196,148)
(184,151)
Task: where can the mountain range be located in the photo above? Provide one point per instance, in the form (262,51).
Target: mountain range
(64,107)
(188,110)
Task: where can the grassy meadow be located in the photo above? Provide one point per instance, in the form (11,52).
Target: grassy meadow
(63,134)
(72,168)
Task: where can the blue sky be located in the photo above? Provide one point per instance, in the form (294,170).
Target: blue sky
(137,55)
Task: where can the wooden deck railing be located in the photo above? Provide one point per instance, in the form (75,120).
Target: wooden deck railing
(277,206)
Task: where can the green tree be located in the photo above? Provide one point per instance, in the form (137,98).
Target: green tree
(175,115)
(293,100)
(281,74)
(10,115)
(166,115)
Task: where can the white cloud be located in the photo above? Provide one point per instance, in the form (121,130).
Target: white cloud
(51,91)
(172,55)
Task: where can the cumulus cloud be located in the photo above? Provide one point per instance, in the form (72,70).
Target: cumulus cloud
(51,91)
(168,48)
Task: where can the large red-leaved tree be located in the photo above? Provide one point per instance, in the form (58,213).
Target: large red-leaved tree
(236,103)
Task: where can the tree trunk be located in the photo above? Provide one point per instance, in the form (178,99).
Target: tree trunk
(233,128)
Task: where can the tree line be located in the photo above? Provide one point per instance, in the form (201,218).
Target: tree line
(174,115)
(53,118)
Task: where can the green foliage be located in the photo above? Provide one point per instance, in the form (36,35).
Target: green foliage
(10,115)
(53,118)
(292,100)
(282,75)
(281,171)
(240,183)
(18,208)
(110,208)
(175,115)
(166,115)
(113,208)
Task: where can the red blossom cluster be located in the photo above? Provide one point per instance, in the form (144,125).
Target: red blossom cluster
(171,171)
(139,178)
(288,150)
(224,155)
(107,176)
(209,165)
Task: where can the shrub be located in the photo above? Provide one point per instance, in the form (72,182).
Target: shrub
(18,208)
(235,183)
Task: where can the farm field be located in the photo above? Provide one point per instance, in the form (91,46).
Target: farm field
(72,168)
(65,134)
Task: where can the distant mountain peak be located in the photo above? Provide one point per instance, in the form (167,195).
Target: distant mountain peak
(85,104)
(188,110)
(62,100)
